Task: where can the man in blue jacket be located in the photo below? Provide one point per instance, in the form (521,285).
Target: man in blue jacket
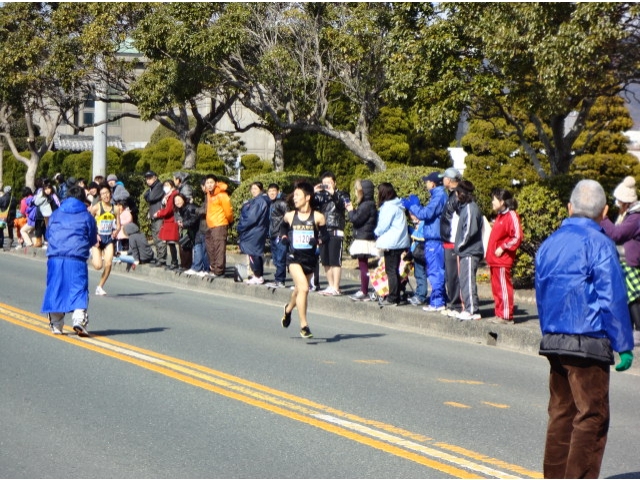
(433,248)
(71,233)
(582,305)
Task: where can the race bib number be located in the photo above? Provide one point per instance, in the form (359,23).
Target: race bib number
(302,239)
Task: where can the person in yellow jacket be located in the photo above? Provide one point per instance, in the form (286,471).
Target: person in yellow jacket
(219,216)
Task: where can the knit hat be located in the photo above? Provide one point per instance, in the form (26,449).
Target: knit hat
(626,191)
(7,189)
(112,177)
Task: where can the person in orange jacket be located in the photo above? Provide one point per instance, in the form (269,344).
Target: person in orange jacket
(219,216)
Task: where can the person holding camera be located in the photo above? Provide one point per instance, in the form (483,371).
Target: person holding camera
(332,204)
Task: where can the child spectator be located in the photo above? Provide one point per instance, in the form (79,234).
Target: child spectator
(505,238)
(419,262)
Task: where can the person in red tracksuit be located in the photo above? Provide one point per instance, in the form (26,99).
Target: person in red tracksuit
(505,238)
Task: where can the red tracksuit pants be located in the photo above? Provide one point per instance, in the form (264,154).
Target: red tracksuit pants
(502,288)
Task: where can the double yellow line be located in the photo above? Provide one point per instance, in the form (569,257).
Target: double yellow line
(449,459)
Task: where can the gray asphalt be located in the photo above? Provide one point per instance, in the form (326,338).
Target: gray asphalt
(67,412)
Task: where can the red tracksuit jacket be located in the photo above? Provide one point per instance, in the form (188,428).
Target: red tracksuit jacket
(507,234)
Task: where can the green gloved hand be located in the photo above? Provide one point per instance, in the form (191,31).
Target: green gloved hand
(626,359)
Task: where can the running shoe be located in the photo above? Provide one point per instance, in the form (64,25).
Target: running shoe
(274,285)
(305,332)
(255,281)
(387,303)
(191,271)
(286,317)
(100,291)
(80,330)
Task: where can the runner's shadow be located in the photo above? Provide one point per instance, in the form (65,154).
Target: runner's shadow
(339,337)
(133,331)
(138,294)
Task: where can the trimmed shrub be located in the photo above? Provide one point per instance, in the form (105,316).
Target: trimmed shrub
(541,211)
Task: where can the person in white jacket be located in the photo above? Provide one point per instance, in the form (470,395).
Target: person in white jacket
(392,236)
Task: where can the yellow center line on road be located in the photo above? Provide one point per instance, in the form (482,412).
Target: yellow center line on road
(368,432)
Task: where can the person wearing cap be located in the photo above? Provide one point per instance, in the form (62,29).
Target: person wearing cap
(448,228)
(153,196)
(8,203)
(433,250)
(626,234)
(584,318)
(183,188)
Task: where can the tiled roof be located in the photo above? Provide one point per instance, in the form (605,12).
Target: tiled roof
(82,143)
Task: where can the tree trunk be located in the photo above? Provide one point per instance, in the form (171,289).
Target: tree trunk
(1,161)
(278,157)
(561,157)
(360,149)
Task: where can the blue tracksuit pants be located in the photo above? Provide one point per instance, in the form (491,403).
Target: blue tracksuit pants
(434,255)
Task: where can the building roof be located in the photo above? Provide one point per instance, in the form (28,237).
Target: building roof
(82,143)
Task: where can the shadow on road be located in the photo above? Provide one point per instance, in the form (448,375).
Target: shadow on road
(339,337)
(139,294)
(134,331)
(627,475)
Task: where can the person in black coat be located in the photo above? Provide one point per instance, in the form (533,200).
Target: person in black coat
(8,203)
(188,219)
(364,220)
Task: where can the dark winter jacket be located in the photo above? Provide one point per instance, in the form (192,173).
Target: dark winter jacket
(276,215)
(333,208)
(139,247)
(153,196)
(253,226)
(190,218)
(450,209)
(469,235)
(9,201)
(365,217)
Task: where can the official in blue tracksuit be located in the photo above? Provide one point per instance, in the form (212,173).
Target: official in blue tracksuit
(71,233)
(433,249)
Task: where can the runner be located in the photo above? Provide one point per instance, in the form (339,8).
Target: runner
(302,229)
(107,218)
(71,234)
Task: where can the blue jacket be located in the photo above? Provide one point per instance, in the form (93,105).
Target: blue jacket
(431,213)
(392,231)
(581,293)
(72,230)
(253,226)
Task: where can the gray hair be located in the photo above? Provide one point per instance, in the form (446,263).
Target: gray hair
(588,200)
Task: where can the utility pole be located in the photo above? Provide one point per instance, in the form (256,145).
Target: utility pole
(100,132)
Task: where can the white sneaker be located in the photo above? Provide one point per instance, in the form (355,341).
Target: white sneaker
(466,316)
(431,308)
(80,330)
(191,271)
(255,281)
(201,274)
(453,313)
(100,291)
(56,324)
(360,297)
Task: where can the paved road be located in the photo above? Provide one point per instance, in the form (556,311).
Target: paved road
(185,381)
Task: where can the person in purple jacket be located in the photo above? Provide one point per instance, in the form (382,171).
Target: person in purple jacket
(71,233)
(626,234)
